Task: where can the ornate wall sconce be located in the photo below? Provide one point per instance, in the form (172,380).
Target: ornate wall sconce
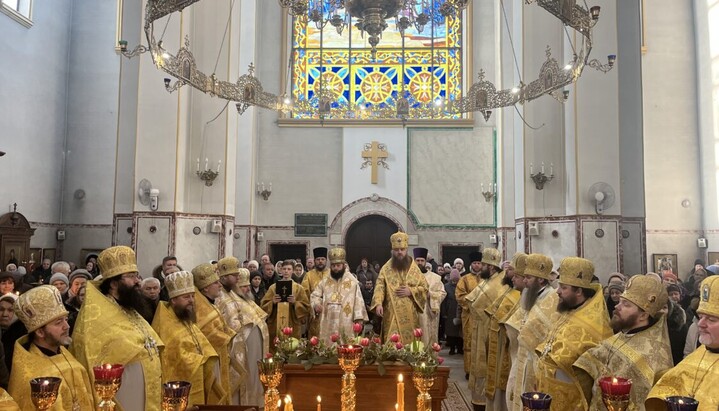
(490,193)
(208,175)
(540,178)
(263,191)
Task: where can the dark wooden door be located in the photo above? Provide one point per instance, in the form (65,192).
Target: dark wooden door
(279,252)
(450,252)
(368,238)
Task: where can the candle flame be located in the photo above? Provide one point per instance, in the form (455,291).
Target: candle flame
(681,402)
(319,399)
(45,382)
(396,406)
(614,380)
(107,366)
(269,360)
(279,403)
(535,396)
(288,399)
(400,378)
(423,365)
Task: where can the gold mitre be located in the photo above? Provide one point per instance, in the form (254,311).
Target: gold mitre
(204,275)
(116,261)
(538,265)
(491,256)
(646,293)
(519,262)
(39,306)
(337,255)
(179,283)
(709,296)
(399,240)
(244,277)
(228,265)
(576,271)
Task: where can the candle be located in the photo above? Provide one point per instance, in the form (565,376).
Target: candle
(396,406)
(495,187)
(551,169)
(319,403)
(198,163)
(531,168)
(219,163)
(288,403)
(45,382)
(400,392)
(482,187)
(542,167)
(206,163)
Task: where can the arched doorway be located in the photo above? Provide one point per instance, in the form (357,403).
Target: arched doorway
(368,237)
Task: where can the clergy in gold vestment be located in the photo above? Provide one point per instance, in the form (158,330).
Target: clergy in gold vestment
(583,324)
(188,355)
(291,313)
(480,299)
(429,319)
(697,376)
(42,353)
(498,355)
(640,351)
(7,403)
(465,286)
(539,305)
(310,282)
(400,293)
(252,340)
(338,300)
(210,320)
(109,329)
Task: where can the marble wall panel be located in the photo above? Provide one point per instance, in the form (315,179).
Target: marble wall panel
(193,249)
(563,245)
(632,257)
(602,251)
(151,246)
(122,236)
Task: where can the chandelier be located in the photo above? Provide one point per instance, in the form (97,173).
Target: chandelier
(482,96)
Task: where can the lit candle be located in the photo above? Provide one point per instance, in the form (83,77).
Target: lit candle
(206,164)
(219,163)
(319,403)
(551,168)
(535,396)
(288,403)
(531,168)
(279,404)
(396,406)
(542,167)
(680,402)
(45,382)
(198,163)
(270,186)
(400,392)
(495,187)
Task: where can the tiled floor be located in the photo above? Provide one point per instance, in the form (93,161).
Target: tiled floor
(456,372)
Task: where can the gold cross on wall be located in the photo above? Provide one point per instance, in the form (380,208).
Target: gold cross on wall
(374,154)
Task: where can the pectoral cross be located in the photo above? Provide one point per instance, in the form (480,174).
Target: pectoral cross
(374,154)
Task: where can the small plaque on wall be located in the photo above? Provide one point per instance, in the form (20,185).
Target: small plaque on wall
(310,225)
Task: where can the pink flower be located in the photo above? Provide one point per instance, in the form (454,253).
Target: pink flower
(314,341)
(377,340)
(398,346)
(287,331)
(436,347)
(417,332)
(364,342)
(394,338)
(357,328)
(334,337)
(440,360)
(268,355)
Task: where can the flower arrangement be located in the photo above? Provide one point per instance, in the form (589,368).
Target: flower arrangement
(313,351)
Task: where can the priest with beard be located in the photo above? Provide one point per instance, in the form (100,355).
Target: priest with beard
(583,325)
(429,319)
(337,300)
(400,294)
(111,329)
(188,355)
(312,278)
(528,326)
(640,351)
(41,353)
(466,284)
(490,287)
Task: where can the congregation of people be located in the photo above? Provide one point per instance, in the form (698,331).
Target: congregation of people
(520,325)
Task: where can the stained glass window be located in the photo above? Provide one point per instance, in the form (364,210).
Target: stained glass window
(424,73)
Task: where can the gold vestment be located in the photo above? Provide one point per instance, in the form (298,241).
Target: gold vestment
(642,357)
(498,361)
(188,356)
(285,314)
(342,305)
(575,332)
(7,403)
(309,283)
(465,286)
(698,372)
(401,314)
(33,363)
(106,333)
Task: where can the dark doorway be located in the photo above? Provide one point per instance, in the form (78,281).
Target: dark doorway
(279,252)
(368,238)
(450,252)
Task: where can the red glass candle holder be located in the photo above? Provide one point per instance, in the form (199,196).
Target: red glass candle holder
(615,385)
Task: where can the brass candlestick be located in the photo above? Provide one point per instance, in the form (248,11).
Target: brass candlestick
(175,395)
(43,392)
(615,393)
(349,359)
(423,379)
(108,378)
(270,376)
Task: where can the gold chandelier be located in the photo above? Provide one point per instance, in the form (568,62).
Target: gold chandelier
(483,96)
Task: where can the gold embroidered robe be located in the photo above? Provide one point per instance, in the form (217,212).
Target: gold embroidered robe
(250,344)
(539,321)
(342,305)
(33,363)
(574,333)
(465,286)
(401,314)
(188,356)
(698,371)
(309,283)
(498,361)
(106,333)
(7,403)
(512,325)
(480,299)
(429,319)
(643,357)
(218,333)
(286,314)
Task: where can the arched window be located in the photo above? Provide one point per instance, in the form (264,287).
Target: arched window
(421,70)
